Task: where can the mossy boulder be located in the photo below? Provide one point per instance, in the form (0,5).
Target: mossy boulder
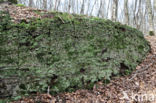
(151,33)
(67,52)
(11,1)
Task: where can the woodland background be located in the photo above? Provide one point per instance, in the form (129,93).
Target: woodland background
(140,14)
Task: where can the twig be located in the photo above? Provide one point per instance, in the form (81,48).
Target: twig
(61,19)
(48,90)
(141,70)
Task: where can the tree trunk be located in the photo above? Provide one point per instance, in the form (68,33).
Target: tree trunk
(155,15)
(101,9)
(69,6)
(31,3)
(73,6)
(82,7)
(45,4)
(150,17)
(93,7)
(88,7)
(58,5)
(108,9)
(126,12)
(137,14)
(55,8)
(115,10)
(155,5)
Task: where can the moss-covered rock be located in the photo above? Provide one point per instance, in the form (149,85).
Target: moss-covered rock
(11,1)
(67,52)
(151,33)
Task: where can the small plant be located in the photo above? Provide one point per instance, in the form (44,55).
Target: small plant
(20,5)
(151,33)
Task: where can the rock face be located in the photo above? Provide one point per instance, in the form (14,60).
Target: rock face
(67,52)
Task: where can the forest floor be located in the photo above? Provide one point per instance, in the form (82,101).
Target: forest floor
(139,87)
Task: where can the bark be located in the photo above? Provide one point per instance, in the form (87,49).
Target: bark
(55,8)
(137,15)
(77,6)
(51,4)
(31,3)
(101,9)
(88,7)
(155,14)
(155,5)
(69,5)
(126,12)
(144,22)
(82,8)
(45,4)
(134,13)
(58,5)
(93,7)
(73,6)
(155,10)
(150,16)
(115,10)
(108,8)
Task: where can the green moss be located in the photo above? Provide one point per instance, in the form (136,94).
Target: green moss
(12,1)
(151,33)
(68,52)
(20,5)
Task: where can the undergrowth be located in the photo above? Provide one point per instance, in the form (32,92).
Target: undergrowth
(65,53)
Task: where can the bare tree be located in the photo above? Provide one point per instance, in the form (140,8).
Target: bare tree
(69,5)
(45,4)
(82,7)
(115,10)
(88,6)
(77,6)
(150,16)
(56,2)
(155,5)
(73,6)
(134,12)
(58,5)
(140,14)
(126,12)
(137,14)
(31,3)
(93,7)
(108,8)
(50,4)
(155,14)
(101,9)
(155,8)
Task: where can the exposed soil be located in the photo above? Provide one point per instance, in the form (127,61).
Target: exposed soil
(139,87)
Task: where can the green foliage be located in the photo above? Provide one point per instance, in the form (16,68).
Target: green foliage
(67,52)
(20,5)
(151,33)
(12,1)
